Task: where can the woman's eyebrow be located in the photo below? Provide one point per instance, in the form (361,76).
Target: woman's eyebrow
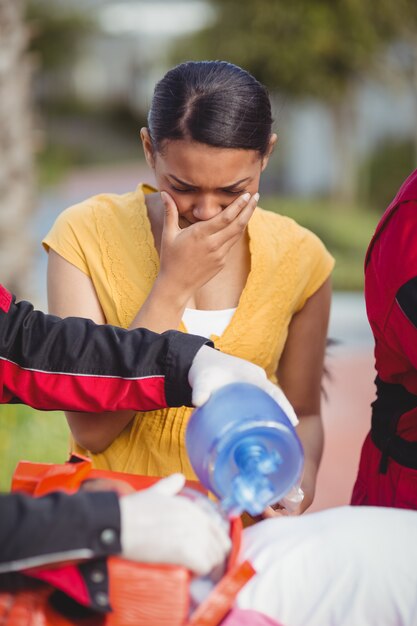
(181,182)
(226,188)
(236,184)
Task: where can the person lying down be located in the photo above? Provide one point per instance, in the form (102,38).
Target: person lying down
(347,566)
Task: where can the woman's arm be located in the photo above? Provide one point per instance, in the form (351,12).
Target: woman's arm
(300,374)
(71,293)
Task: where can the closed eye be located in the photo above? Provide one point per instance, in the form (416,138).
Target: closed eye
(231,192)
(178,190)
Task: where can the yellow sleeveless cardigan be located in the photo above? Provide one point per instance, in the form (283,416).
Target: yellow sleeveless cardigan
(109,238)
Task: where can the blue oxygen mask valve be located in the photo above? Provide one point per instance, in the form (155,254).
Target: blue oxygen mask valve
(244,449)
(251,486)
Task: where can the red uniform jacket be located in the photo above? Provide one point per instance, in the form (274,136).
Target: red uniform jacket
(391,301)
(76,365)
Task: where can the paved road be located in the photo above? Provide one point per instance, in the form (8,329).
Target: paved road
(346,417)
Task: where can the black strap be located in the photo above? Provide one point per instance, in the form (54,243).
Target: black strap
(391,403)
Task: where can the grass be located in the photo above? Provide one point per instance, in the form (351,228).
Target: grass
(345,230)
(30,435)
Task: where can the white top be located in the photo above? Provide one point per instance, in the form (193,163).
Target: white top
(206,323)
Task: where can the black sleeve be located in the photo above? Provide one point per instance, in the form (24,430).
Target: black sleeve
(74,364)
(57,528)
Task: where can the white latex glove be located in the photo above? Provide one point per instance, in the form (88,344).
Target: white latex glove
(212,369)
(160,527)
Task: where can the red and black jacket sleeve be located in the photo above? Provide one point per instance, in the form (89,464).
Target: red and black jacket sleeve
(57,529)
(73,364)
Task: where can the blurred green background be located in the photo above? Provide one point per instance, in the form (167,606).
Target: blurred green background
(29,435)
(76,79)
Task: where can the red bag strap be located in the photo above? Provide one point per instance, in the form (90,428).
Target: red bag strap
(220,601)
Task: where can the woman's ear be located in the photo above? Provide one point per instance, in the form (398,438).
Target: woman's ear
(147,147)
(272,143)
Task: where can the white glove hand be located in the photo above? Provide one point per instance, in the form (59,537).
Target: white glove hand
(212,369)
(160,527)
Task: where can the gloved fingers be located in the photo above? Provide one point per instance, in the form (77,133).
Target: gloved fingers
(209,371)
(219,549)
(206,551)
(217,545)
(169,486)
(200,394)
(221,536)
(203,539)
(210,380)
(207,381)
(177,531)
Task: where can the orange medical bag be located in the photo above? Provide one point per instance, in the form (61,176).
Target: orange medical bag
(140,594)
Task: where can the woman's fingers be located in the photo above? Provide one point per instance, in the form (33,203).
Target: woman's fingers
(271,512)
(210,241)
(233,217)
(229,234)
(170,214)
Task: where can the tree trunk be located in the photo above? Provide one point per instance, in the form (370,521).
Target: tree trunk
(346,159)
(16,165)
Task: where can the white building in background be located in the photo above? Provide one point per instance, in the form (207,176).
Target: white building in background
(310,159)
(128,55)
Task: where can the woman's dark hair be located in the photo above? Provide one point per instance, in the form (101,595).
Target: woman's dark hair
(212,102)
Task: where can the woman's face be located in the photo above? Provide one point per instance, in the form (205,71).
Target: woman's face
(201,179)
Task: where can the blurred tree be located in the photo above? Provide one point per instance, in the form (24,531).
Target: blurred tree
(318,48)
(16,169)
(384,170)
(404,51)
(57,32)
